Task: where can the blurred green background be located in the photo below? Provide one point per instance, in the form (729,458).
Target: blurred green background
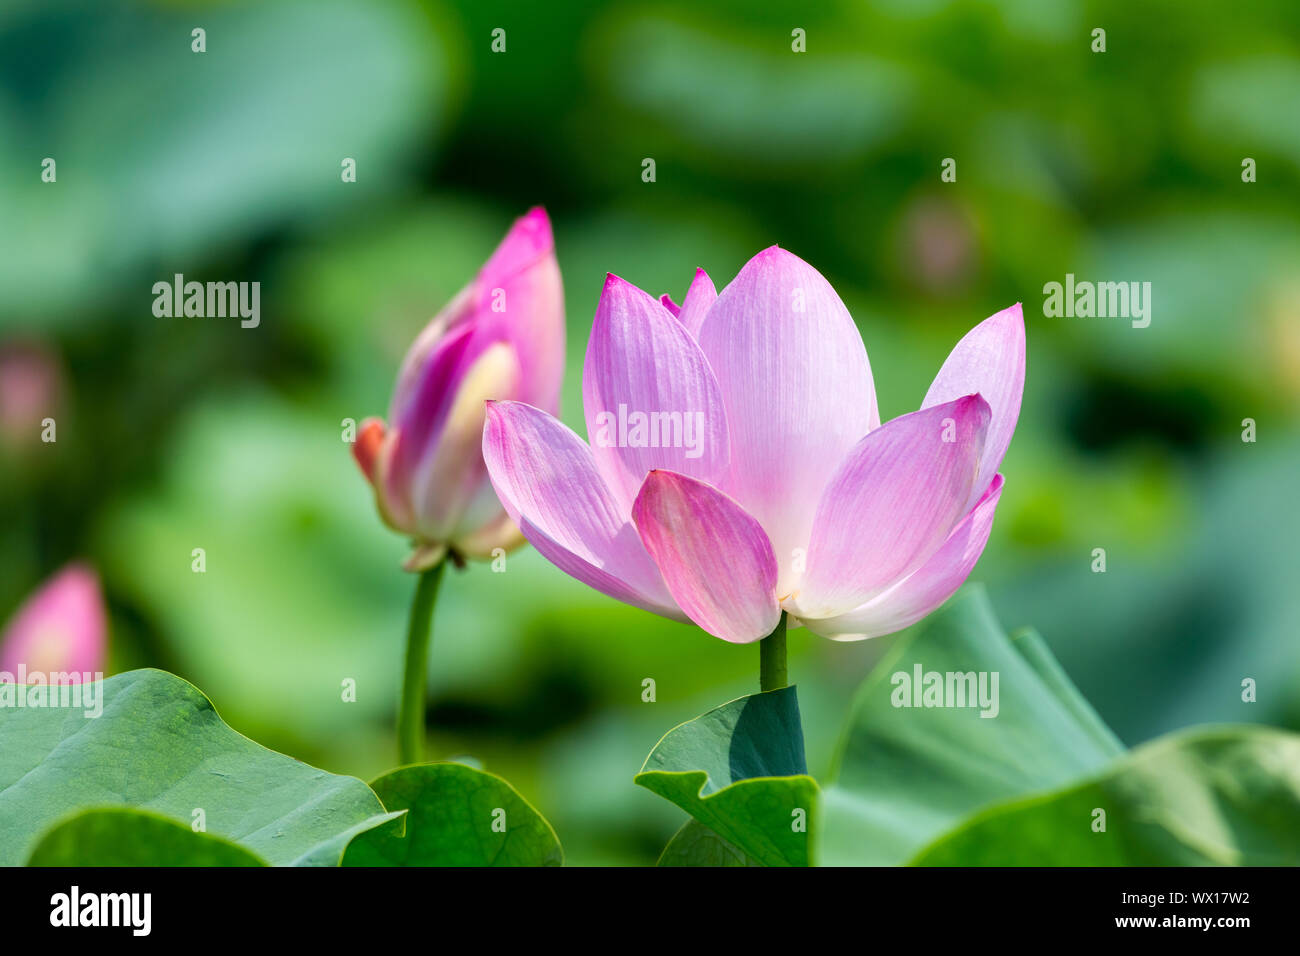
(175,434)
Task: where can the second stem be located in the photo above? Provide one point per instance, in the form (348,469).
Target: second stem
(415,675)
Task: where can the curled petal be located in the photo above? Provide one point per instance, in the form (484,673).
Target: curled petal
(549,484)
(716,559)
(990,360)
(891,504)
(924,589)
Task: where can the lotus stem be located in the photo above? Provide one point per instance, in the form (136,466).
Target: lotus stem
(410,717)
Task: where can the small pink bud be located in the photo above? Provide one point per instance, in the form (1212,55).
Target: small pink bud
(61,628)
(501,337)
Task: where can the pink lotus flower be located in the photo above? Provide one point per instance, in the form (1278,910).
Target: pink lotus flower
(59,629)
(501,337)
(790,495)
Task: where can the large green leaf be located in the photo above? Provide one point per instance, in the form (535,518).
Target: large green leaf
(456,816)
(696,845)
(122,837)
(740,771)
(906,774)
(159,745)
(1209,796)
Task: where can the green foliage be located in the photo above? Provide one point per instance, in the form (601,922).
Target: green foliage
(245,137)
(159,745)
(121,837)
(739,770)
(455,816)
(1220,796)
(1040,782)
(906,774)
(696,845)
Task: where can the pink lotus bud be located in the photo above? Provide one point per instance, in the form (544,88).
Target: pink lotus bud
(30,392)
(59,629)
(501,337)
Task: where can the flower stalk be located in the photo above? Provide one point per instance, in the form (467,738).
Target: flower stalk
(771,659)
(410,716)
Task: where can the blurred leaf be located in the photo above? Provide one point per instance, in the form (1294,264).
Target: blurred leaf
(456,816)
(696,845)
(165,155)
(907,773)
(739,770)
(1204,262)
(120,837)
(1206,797)
(1213,605)
(301,588)
(1242,101)
(159,745)
(765,105)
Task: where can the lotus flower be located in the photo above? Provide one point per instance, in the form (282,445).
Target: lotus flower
(790,495)
(501,337)
(60,629)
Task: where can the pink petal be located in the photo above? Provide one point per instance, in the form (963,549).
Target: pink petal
(667,302)
(924,589)
(699,299)
(450,491)
(365,449)
(62,628)
(549,484)
(644,368)
(417,418)
(990,360)
(715,558)
(798,392)
(522,280)
(892,504)
(436,336)
(373,453)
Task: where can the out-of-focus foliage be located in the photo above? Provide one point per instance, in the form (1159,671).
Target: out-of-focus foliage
(906,773)
(177,434)
(1216,796)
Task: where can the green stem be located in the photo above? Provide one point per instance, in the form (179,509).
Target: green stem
(410,718)
(771,659)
